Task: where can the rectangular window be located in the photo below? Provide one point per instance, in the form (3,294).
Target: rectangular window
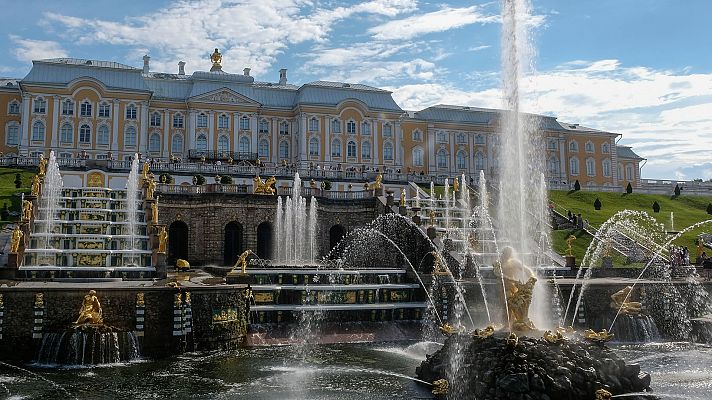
(202,121)
(387,131)
(130,112)
(104,110)
(313,125)
(67,108)
(40,106)
(14,108)
(223,122)
(85,109)
(263,126)
(178,121)
(244,123)
(155,119)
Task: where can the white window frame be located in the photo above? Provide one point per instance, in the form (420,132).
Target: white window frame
(130,136)
(156,119)
(104,110)
(388,151)
(86,109)
(351,149)
(283,147)
(84,134)
(223,121)
(336,145)
(178,120)
(66,136)
(68,107)
(223,144)
(38,131)
(313,124)
(177,143)
(314,147)
(15,128)
(101,131)
(366,150)
(39,106)
(154,143)
(201,120)
(131,112)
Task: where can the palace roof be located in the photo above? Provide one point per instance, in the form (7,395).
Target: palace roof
(627,152)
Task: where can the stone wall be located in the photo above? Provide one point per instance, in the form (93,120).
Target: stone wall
(207,215)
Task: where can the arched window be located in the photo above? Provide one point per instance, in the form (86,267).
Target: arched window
(441,158)
(574,166)
(388,151)
(244,145)
(313,146)
(366,150)
(553,165)
(605,148)
(387,130)
(223,144)
(589,147)
(223,121)
(313,124)
(263,126)
(178,120)
(85,109)
(130,136)
(619,171)
(573,146)
(244,123)
(284,128)
(84,134)
(102,135)
(606,166)
(12,138)
(336,126)
(417,135)
(202,120)
(156,119)
(461,160)
(104,110)
(283,149)
(417,157)
(67,107)
(351,149)
(336,148)
(154,143)
(263,148)
(480,139)
(351,128)
(131,111)
(201,144)
(461,139)
(177,144)
(38,131)
(479,161)
(365,128)
(629,172)
(590,167)
(65,134)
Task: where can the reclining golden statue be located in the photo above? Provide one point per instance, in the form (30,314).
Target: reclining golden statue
(264,187)
(598,337)
(619,301)
(90,312)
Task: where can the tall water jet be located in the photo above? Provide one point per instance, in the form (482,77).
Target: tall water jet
(50,200)
(132,206)
(295,228)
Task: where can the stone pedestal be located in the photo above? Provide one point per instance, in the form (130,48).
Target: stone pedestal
(237,277)
(389,198)
(571,261)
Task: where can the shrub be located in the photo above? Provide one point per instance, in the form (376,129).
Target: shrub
(656,207)
(597,204)
(165,178)
(198,179)
(18,181)
(4,213)
(629,188)
(677,190)
(326,185)
(577,185)
(226,180)
(709,208)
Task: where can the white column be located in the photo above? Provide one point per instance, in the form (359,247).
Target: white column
(398,144)
(115,129)
(235,132)
(275,141)
(211,130)
(453,137)
(143,143)
(190,129)
(26,129)
(253,127)
(327,139)
(55,122)
(431,149)
(166,133)
(563,162)
(303,137)
(376,137)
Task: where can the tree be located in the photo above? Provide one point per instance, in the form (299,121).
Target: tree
(577,185)
(198,179)
(18,181)
(656,207)
(226,180)
(597,204)
(4,213)
(166,178)
(629,188)
(709,208)
(326,185)
(677,190)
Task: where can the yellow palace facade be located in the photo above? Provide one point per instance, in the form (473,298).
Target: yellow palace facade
(105,110)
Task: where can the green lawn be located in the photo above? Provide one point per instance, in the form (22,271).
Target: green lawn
(687,210)
(7,187)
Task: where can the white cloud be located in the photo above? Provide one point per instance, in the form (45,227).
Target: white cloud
(437,21)
(478,48)
(29,49)
(250,32)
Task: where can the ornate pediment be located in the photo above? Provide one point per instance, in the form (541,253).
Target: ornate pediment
(224,96)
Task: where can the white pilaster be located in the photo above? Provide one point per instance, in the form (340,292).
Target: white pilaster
(376,137)
(55,122)
(143,142)
(431,149)
(211,130)
(190,128)
(26,129)
(253,127)
(235,131)
(275,141)
(166,133)
(303,137)
(563,162)
(398,145)
(115,129)
(327,138)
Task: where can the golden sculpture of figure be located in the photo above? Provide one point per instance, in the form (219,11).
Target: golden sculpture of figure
(17,236)
(569,244)
(553,337)
(402,198)
(90,312)
(216,58)
(42,167)
(619,301)
(162,240)
(598,337)
(377,184)
(241,262)
(150,189)
(39,300)
(154,211)
(440,387)
(700,247)
(603,394)
(35,186)
(177,300)
(182,264)
(26,210)
(263,187)
(140,299)
(519,283)
(455,185)
(144,170)
(484,333)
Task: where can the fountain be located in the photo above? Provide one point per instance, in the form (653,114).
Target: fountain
(295,228)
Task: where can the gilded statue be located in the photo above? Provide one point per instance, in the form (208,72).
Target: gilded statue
(162,240)
(90,312)
(39,300)
(700,247)
(483,333)
(150,189)
(402,198)
(177,299)
(455,185)
(597,337)
(472,241)
(603,394)
(569,244)
(431,217)
(2,301)
(154,211)
(448,329)
(619,301)
(16,239)
(140,299)
(512,340)
(519,283)
(182,264)
(440,387)
(241,262)
(377,184)
(263,187)
(187,298)
(145,169)
(42,167)
(36,181)
(553,337)
(26,210)
(216,58)
(439,267)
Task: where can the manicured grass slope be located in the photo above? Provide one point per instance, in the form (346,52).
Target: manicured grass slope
(8,190)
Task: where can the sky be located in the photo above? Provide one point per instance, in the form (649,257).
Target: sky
(641,68)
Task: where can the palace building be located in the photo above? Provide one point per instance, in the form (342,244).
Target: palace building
(102,110)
